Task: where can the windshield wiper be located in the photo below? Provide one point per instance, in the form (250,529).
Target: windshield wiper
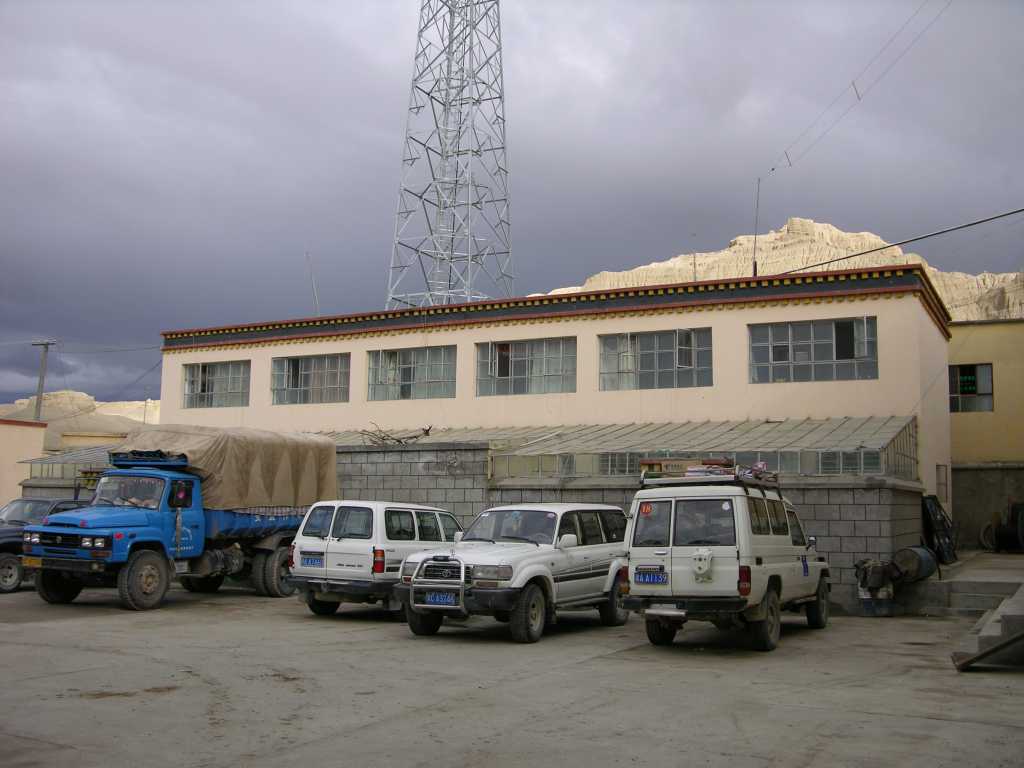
(521,538)
(479,538)
(16,520)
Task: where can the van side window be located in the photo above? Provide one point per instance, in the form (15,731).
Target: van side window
(318,522)
(353,523)
(653,519)
(398,525)
(796,531)
(590,522)
(614,524)
(429,530)
(759,524)
(450,526)
(778,517)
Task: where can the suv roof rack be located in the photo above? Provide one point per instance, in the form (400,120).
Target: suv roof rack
(657,473)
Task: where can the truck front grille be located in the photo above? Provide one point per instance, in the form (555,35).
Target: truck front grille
(62,540)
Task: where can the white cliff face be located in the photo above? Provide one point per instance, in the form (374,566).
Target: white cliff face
(64,402)
(802,243)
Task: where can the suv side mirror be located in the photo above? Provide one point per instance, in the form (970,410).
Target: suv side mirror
(568,540)
(812,541)
(457,537)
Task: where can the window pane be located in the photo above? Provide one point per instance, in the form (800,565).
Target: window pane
(398,525)
(984,379)
(429,530)
(845,346)
(759,334)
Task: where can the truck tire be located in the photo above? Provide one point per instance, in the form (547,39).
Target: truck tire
(259,565)
(611,610)
(526,620)
(322,607)
(659,633)
(142,582)
(56,588)
(202,584)
(423,624)
(276,576)
(817,612)
(765,633)
(11,573)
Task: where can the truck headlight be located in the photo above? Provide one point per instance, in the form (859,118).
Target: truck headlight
(27,538)
(492,572)
(87,542)
(34,539)
(99,542)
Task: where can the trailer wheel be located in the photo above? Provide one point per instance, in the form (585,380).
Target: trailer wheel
(259,565)
(276,574)
(143,581)
(54,587)
(202,584)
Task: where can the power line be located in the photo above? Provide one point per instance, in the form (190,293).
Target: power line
(908,240)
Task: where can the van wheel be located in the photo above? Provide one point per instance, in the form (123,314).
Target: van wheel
(201,584)
(143,581)
(423,624)
(276,574)
(765,633)
(817,612)
(526,620)
(611,610)
(659,633)
(321,607)
(259,565)
(11,573)
(54,587)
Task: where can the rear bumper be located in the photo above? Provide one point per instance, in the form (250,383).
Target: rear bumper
(376,590)
(68,564)
(683,608)
(475,601)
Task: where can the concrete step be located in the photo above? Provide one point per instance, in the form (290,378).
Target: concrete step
(1003,621)
(1004,588)
(974,602)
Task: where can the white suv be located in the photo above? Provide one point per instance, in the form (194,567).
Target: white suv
(351,551)
(722,549)
(521,564)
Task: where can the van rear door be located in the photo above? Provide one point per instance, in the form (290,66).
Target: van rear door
(650,557)
(310,553)
(350,546)
(704,560)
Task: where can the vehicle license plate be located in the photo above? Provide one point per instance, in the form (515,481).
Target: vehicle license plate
(650,577)
(312,562)
(440,598)
(32,562)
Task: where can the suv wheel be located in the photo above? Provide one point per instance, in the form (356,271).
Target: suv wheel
(55,587)
(660,633)
(423,624)
(322,607)
(526,621)
(611,610)
(11,573)
(817,612)
(765,633)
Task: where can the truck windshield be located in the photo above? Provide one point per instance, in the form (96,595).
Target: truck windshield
(513,525)
(708,522)
(24,511)
(129,491)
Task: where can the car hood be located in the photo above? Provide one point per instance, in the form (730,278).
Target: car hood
(100,517)
(11,530)
(482,552)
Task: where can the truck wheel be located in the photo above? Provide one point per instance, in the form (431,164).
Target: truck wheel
(259,565)
(659,633)
(322,607)
(611,610)
(54,587)
(817,612)
(526,620)
(11,573)
(143,581)
(202,584)
(766,633)
(276,575)
(423,624)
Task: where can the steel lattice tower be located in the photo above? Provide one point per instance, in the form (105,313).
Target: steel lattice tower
(452,240)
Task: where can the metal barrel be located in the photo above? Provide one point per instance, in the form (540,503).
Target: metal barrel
(915,563)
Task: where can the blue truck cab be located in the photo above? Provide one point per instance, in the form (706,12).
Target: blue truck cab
(145,526)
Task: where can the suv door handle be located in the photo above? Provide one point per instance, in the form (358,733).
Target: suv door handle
(661,551)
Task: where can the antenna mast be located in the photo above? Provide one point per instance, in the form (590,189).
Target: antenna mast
(452,242)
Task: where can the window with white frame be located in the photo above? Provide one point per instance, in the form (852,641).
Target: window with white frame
(416,373)
(658,360)
(314,379)
(819,350)
(970,388)
(216,385)
(531,367)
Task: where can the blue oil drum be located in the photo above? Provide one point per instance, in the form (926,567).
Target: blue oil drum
(915,563)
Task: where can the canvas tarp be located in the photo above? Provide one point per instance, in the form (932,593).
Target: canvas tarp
(245,468)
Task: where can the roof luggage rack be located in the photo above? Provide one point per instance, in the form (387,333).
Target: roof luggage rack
(657,473)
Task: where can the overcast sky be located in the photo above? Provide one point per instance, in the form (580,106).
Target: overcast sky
(167,165)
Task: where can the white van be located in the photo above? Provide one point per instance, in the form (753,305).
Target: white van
(351,551)
(721,548)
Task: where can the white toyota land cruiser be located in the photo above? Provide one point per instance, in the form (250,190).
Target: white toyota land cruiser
(723,547)
(521,564)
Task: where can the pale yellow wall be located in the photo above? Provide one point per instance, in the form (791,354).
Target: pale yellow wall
(997,435)
(17,442)
(70,440)
(911,349)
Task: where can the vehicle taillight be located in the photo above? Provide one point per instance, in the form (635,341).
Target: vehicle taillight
(291,555)
(378,561)
(744,583)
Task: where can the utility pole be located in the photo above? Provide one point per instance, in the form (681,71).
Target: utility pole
(42,374)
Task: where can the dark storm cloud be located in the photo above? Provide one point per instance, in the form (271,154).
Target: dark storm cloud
(168,165)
